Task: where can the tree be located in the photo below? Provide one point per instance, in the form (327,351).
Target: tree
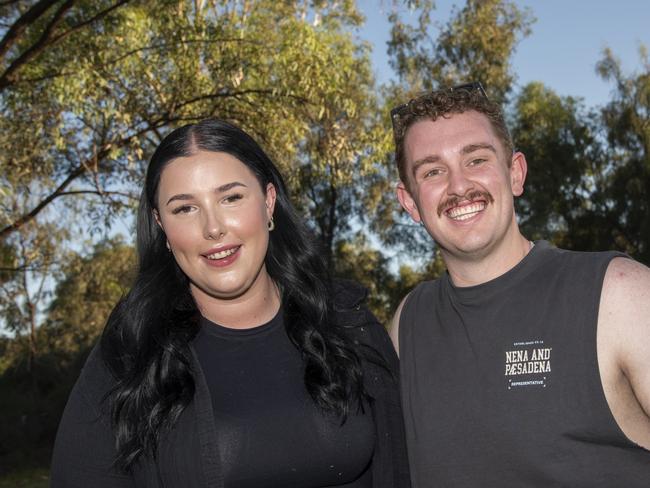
(476,44)
(34,393)
(30,267)
(565,160)
(623,219)
(103,95)
(87,293)
(588,186)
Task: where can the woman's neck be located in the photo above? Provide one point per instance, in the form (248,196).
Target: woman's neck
(258,305)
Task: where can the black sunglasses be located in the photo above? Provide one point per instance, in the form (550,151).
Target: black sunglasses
(400,111)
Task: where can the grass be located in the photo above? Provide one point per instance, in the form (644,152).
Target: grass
(26,478)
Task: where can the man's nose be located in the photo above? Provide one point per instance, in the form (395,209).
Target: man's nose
(458,183)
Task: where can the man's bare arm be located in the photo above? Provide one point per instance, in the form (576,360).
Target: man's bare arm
(624,346)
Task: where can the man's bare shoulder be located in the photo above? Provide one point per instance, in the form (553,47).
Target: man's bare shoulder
(627,282)
(394,326)
(624,315)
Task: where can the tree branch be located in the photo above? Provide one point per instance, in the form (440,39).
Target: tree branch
(8,2)
(78,171)
(99,15)
(81,169)
(37,47)
(47,38)
(101,193)
(18,27)
(132,52)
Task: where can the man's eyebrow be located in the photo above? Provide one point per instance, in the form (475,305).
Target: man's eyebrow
(425,160)
(219,189)
(470,148)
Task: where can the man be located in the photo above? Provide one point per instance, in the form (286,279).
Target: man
(523,365)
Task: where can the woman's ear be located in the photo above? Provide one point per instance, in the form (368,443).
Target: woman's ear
(156,217)
(271,196)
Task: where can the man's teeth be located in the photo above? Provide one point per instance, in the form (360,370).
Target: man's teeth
(222,254)
(466,211)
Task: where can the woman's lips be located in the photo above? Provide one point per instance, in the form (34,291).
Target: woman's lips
(222,257)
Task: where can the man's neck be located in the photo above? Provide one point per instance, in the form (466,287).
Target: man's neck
(475,270)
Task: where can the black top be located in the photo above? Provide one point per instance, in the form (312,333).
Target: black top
(501,384)
(188,454)
(270,431)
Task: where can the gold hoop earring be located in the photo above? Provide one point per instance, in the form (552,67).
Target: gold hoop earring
(271,224)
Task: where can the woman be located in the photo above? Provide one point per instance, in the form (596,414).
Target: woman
(232,362)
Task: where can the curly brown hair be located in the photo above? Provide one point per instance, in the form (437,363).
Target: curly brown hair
(443,103)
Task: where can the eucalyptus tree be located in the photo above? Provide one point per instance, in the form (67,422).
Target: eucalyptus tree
(90,88)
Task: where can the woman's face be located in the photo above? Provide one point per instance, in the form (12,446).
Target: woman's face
(215,216)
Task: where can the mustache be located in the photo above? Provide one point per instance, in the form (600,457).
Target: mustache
(470,197)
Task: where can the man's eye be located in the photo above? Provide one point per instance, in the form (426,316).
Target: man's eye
(476,162)
(181,209)
(432,172)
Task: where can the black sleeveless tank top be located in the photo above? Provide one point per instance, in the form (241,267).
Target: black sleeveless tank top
(500,381)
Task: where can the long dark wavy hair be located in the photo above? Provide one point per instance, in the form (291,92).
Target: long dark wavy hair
(145,343)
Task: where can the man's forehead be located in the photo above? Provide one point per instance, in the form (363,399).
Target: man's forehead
(446,134)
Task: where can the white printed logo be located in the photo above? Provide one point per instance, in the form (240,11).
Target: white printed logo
(528,363)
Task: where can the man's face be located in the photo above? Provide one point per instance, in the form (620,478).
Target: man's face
(460,185)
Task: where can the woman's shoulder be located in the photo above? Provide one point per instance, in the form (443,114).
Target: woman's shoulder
(349,305)
(95,379)
(348,294)
(357,321)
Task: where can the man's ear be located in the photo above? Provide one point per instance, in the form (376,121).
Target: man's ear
(271,196)
(518,170)
(408,202)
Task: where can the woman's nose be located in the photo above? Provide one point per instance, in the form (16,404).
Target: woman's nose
(213,227)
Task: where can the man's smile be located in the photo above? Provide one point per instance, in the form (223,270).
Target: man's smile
(467,211)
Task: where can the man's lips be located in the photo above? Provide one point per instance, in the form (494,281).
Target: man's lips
(455,207)
(466,211)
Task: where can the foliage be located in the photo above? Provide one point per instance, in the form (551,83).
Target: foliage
(26,478)
(35,388)
(588,185)
(559,140)
(476,44)
(88,89)
(623,212)
(87,294)
(31,265)
(98,116)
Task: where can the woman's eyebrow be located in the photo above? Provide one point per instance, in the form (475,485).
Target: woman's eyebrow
(219,189)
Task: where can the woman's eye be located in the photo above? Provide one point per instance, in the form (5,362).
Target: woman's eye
(181,209)
(233,198)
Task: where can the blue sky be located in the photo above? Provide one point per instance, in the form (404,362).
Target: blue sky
(565,44)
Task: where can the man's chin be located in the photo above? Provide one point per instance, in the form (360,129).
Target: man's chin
(467,249)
